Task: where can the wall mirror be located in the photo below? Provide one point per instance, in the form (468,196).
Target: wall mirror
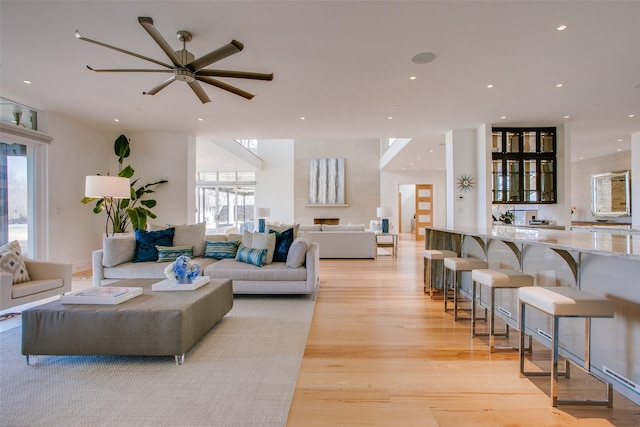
(610,194)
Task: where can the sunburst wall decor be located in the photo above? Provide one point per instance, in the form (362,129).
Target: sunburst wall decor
(465,182)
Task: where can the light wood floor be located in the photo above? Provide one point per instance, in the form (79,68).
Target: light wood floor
(381,353)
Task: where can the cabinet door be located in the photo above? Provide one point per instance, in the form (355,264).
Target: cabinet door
(530,181)
(497,181)
(547,178)
(513,181)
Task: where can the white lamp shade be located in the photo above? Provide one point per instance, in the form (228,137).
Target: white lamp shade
(263,212)
(107,186)
(383,212)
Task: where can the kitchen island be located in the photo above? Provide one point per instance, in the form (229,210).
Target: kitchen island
(600,263)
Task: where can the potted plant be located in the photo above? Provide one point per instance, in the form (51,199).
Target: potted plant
(136,209)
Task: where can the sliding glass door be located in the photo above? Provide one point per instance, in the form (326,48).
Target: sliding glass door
(15,196)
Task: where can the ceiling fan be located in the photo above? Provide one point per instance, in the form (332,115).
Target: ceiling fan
(185,67)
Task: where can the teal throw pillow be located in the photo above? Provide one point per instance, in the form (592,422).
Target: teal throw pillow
(146,242)
(283,242)
(170,253)
(220,250)
(251,256)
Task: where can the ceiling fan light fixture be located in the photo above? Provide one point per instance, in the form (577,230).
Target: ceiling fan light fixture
(184,75)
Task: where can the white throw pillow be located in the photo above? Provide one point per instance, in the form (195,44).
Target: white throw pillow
(297,252)
(118,249)
(11,262)
(190,235)
(262,241)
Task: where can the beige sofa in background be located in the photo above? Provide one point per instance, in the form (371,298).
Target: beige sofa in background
(341,241)
(48,279)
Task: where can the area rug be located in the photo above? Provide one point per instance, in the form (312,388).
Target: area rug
(242,373)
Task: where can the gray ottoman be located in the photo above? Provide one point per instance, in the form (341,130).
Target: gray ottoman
(152,324)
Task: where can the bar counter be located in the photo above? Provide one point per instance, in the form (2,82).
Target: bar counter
(600,263)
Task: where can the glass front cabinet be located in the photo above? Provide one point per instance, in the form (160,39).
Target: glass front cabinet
(523,165)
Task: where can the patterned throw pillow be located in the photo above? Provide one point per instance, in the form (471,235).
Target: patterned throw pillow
(11,262)
(170,253)
(251,256)
(220,250)
(146,242)
(263,241)
(283,242)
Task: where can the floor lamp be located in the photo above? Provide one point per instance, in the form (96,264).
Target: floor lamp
(108,188)
(262,213)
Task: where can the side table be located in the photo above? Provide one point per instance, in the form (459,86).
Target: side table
(388,240)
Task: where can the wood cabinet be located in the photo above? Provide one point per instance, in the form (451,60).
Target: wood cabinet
(523,165)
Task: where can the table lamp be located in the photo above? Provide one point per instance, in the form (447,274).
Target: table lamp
(384,214)
(108,188)
(262,213)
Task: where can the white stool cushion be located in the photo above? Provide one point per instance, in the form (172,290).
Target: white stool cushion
(464,264)
(566,301)
(433,254)
(501,278)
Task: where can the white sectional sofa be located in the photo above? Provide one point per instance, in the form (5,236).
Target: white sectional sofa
(115,262)
(341,241)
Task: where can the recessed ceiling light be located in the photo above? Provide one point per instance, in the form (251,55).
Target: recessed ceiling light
(619,149)
(581,158)
(566,117)
(423,58)
(412,78)
(390,118)
(431,151)
(116,120)
(559,85)
(303,118)
(28,82)
(631,116)
(619,139)
(489,86)
(561,27)
(200,119)
(503,117)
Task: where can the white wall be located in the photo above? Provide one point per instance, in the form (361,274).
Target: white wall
(362,177)
(461,149)
(275,182)
(170,156)
(76,151)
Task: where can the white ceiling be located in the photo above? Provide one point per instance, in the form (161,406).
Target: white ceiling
(344,65)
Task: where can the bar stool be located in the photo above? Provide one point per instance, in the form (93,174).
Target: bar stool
(431,255)
(459,265)
(564,302)
(495,279)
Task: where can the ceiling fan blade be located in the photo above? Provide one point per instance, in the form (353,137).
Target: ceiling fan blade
(225,86)
(216,55)
(200,93)
(236,74)
(128,70)
(161,86)
(147,24)
(80,37)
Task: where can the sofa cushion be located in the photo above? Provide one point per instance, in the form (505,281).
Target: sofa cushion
(221,250)
(346,227)
(236,270)
(215,238)
(146,242)
(118,249)
(32,287)
(310,227)
(185,235)
(11,262)
(146,270)
(261,241)
(283,242)
(170,253)
(251,255)
(297,253)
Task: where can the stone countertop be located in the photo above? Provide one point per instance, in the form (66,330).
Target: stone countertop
(600,243)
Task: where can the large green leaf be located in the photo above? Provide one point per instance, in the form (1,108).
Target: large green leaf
(121,148)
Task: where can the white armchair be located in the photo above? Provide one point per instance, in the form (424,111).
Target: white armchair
(48,279)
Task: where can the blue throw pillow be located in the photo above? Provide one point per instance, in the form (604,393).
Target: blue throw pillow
(220,250)
(283,242)
(146,242)
(251,256)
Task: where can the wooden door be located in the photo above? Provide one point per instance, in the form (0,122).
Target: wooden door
(424,208)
